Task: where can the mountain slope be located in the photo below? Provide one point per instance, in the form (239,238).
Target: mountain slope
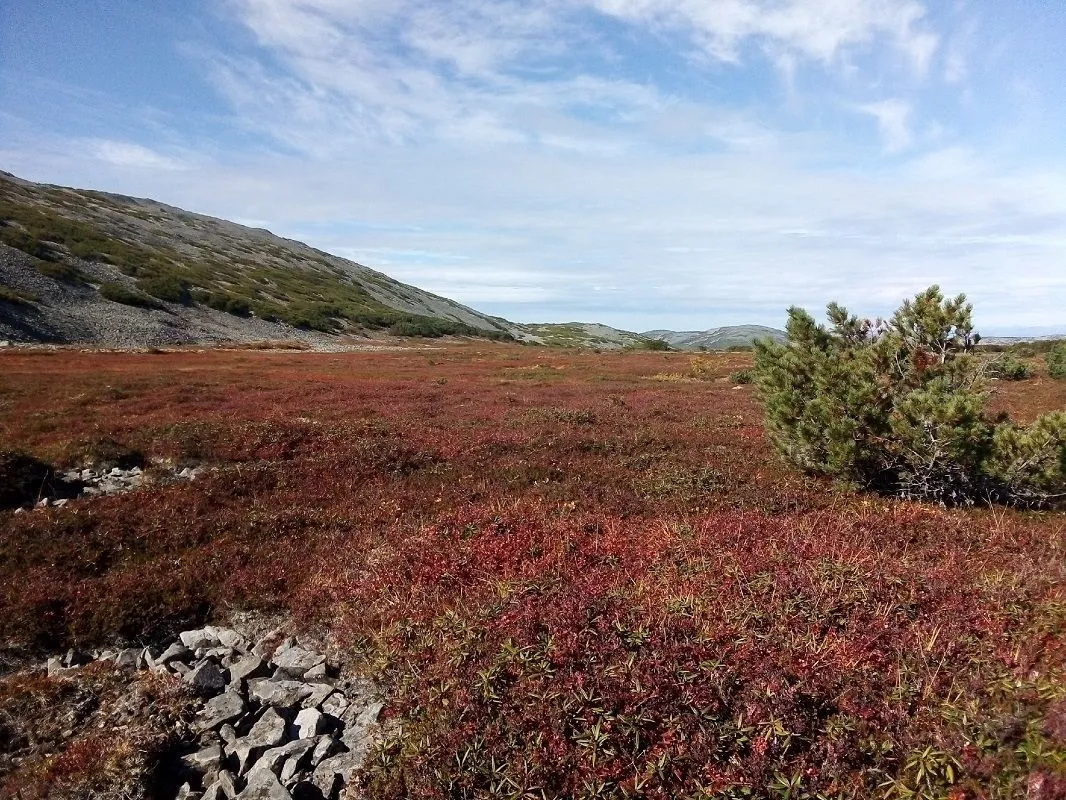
(70,253)
(581,334)
(716,338)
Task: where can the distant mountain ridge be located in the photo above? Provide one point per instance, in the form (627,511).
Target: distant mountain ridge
(716,338)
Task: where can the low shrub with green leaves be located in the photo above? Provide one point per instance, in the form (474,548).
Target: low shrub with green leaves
(1056,361)
(900,406)
(166,287)
(15,297)
(1008,368)
(61,271)
(742,376)
(120,294)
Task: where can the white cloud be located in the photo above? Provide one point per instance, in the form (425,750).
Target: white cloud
(129,154)
(820,30)
(893,121)
(499,153)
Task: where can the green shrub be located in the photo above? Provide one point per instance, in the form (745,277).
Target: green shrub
(1056,361)
(312,316)
(227,303)
(900,406)
(657,345)
(9,295)
(1008,368)
(742,376)
(120,294)
(166,287)
(61,271)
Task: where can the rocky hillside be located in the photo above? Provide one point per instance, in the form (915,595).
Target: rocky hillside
(582,334)
(86,266)
(716,338)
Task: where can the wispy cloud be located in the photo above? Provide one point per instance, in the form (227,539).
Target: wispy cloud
(893,120)
(129,154)
(645,163)
(820,31)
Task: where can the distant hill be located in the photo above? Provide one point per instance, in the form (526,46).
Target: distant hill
(581,334)
(716,338)
(92,267)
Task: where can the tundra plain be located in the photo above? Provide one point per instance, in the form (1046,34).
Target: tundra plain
(577,574)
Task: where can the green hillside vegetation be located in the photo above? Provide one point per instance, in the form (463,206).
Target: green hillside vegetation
(314,294)
(580,334)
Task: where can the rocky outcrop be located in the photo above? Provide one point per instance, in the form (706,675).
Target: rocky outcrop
(277,721)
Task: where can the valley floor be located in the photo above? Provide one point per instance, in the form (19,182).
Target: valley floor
(575,574)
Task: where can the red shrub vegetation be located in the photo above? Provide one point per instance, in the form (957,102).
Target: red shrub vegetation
(579,581)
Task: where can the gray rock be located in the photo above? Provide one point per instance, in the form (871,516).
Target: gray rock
(316,672)
(275,757)
(227,732)
(268,732)
(244,755)
(319,693)
(336,704)
(247,668)
(264,785)
(175,651)
(202,637)
(180,667)
(370,715)
(129,658)
(222,788)
(230,638)
(56,669)
(186,792)
(221,709)
(324,748)
(283,694)
(337,771)
(309,723)
(289,771)
(219,653)
(358,724)
(209,759)
(206,678)
(295,661)
(76,658)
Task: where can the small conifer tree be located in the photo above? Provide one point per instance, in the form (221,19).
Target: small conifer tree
(1056,361)
(900,406)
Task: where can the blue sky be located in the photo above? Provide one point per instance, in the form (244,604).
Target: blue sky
(644,163)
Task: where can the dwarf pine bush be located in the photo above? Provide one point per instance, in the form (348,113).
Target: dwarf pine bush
(900,406)
(1056,361)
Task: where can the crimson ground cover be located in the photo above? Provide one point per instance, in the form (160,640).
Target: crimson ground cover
(583,575)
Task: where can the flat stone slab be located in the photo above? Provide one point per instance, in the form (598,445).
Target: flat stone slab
(264,785)
(221,709)
(296,661)
(283,694)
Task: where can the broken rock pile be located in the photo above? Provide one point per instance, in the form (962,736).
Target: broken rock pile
(277,722)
